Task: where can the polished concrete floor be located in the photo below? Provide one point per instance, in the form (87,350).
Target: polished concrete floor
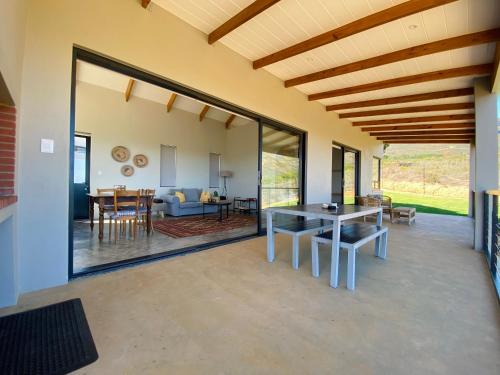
(429,308)
(88,251)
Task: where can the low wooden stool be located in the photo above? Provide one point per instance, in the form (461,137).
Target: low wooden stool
(407,213)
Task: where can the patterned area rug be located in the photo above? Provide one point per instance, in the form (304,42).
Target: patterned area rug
(197,225)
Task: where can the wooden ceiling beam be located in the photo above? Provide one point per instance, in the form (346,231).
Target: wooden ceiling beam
(424,137)
(145,3)
(171,101)
(427,141)
(462,41)
(229,120)
(417,109)
(411,120)
(376,19)
(204,112)
(452,125)
(482,69)
(239,19)
(424,132)
(128,91)
(403,99)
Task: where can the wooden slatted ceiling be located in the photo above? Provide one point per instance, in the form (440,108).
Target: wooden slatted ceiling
(229,120)
(404,54)
(171,101)
(482,69)
(376,19)
(239,19)
(423,137)
(203,112)
(410,120)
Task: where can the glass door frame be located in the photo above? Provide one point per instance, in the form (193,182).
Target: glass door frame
(302,163)
(357,166)
(96,58)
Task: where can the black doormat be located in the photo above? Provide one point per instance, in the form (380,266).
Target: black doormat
(54,339)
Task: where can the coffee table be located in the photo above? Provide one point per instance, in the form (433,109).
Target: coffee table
(220,205)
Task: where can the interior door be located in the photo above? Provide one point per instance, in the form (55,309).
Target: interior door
(81,177)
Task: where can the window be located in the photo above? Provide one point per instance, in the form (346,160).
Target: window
(168,165)
(214,170)
(376,173)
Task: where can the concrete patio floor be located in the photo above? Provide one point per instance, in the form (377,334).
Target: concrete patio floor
(430,308)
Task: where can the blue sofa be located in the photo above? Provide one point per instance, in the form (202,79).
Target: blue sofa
(192,206)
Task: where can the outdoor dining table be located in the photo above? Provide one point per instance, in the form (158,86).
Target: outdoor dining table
(106,200)
(316,211)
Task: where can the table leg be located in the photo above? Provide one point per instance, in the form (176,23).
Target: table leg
(295,254)
(91,213)
(227,212)
(203,209)
(149,205)
(351,269)
(220,212)
(334,273)
(379,218)
(101,219)
(270,236)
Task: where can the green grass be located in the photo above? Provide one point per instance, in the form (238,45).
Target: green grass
(429,204)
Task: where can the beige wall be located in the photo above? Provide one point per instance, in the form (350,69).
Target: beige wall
(142,126)
(156,41)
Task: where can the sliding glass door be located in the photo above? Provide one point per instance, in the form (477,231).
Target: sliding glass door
(281,174)
(345,174)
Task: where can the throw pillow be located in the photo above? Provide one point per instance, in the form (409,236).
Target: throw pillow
(182,197)
(205,196)
(192,195)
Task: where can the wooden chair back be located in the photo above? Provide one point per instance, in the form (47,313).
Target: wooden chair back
(120,187)
(127,199)
(106,190)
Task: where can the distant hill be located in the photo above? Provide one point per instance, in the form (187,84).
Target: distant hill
(433,169)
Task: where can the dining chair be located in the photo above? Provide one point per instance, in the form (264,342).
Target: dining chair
(143,209)
(125,208)
(120,187)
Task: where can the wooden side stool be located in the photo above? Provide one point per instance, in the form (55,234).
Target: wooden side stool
(407,213)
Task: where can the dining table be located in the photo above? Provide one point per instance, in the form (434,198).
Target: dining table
(104,200)
(337,215)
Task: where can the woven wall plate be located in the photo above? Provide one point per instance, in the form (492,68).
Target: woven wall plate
(140,160)
(127,170)
(120,153)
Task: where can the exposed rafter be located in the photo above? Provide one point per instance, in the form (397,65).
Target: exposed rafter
(423,137)
(129,89)
(402,99)
(229,120)
(451,125)
(407,80)
(376,19)
(424,132)
(204,112)
(239,19)
(418,109)
(171,101)
(145,3)
(427,141)
(410,120)
(404,54)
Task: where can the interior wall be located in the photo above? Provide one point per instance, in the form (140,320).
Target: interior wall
(156,41)
(142,126)
(242,153)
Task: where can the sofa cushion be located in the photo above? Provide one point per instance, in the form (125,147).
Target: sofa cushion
(192,195)
(181,196)
(190,205)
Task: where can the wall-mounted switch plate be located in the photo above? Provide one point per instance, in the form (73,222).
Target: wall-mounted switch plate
(47,146)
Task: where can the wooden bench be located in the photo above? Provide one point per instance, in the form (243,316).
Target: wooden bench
(297,228)
(352,237)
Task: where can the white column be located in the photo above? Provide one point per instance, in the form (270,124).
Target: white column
(486,151)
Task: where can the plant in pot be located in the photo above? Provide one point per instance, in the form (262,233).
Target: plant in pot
(216,196)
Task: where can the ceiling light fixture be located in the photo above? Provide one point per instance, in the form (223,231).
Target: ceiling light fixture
(412,27)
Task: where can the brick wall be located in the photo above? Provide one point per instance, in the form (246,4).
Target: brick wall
(7,150)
